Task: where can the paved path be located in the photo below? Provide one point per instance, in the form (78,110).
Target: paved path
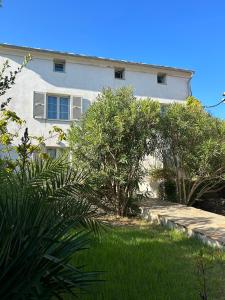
(208,226)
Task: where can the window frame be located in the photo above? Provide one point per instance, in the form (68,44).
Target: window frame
(58,97)
(162,75)
(51,148)
(59,61)
(163,108)
(57,150)
(119,70)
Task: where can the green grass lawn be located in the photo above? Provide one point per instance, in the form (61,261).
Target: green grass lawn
(145,263)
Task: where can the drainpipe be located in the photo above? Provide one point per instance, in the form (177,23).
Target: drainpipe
(189,86)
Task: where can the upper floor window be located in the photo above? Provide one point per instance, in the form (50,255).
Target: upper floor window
(161,78)
(119,73)
(58,108)
(59,65)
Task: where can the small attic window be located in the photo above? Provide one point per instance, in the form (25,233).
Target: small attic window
(119,73)
(161,78)
(59,65)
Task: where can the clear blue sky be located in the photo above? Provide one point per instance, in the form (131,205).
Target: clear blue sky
(187,34)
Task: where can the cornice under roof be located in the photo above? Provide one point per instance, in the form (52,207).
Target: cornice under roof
(5,45)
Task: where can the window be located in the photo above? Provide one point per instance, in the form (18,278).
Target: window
(58,108)
(54,152)
(51,152)
(161,78)
(163,109)
(63,108)
(52,107)
(119,73)
(59,65)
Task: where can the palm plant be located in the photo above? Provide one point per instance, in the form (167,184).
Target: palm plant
(45,218)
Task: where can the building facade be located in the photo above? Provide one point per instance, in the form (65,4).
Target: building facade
(55,88)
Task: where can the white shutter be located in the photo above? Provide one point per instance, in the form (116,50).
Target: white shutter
(39,105)
(76,108)
(85,105)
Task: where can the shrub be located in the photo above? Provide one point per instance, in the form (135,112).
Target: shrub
(111,142)
(43,213)
(192,146)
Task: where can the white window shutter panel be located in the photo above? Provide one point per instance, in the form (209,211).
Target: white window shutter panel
(76,108)
(39,105)
(86,103)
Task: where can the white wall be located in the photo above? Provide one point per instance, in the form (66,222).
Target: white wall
(82,78)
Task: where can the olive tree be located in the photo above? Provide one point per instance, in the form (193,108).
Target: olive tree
(111,142)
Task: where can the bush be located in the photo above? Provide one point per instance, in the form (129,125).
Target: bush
(111,142)
(192,145)
(167,190)
(43,213)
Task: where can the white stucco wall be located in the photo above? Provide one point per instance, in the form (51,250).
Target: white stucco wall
(84,77)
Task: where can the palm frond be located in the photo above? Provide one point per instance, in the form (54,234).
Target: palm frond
(42,213)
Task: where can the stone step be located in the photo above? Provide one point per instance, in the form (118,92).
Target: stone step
(208,227)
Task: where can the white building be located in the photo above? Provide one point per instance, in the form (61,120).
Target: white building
(56,87)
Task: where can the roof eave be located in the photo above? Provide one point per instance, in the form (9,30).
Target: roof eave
(25,48)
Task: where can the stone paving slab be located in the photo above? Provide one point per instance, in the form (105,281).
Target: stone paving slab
(208,226)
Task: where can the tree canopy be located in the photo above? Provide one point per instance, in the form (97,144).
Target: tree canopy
(111,141)
(192,142)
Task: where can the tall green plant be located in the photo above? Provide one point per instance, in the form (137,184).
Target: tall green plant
(192,144)
(45,219)
(111,142)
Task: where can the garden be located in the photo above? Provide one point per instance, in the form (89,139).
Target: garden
(144,261)
(71,228)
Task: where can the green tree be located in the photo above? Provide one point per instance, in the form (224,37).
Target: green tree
(111,142)
(192,144)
